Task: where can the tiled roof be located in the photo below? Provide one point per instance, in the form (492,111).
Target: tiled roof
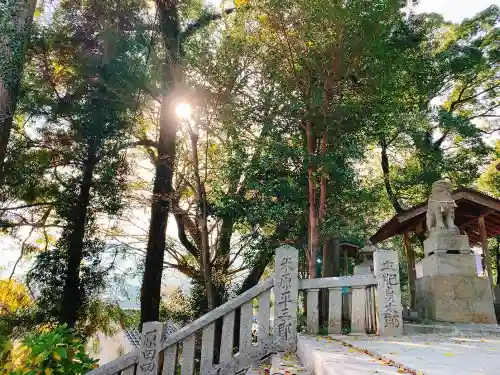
(134,336)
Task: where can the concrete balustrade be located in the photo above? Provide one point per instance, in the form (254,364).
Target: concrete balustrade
(160,353)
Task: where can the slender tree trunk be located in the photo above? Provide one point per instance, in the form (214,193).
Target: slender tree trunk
(313,209)
(13,43)
(162,189)
(387,180)
(203,224)
(72,298)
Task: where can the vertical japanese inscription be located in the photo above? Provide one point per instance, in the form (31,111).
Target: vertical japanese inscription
(389,292)
(286,291)
(149,350)
(390,313)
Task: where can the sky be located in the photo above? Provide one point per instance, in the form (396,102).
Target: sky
(452,10)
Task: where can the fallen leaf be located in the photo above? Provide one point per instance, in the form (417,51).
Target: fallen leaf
(420,373)
(449,354)
(401,370)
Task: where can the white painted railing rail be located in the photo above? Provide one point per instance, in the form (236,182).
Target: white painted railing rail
(192,349)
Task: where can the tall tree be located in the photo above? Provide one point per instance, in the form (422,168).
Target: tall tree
(84,75)
(454,103)
(323,59)
(173,93)
(16,18)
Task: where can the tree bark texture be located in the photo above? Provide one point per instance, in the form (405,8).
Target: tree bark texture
(387,179)
(72,297)
(203,224)
(162,188)
(314,238)
(13,46)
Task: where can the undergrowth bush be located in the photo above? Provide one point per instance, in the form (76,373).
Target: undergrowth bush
(46,352)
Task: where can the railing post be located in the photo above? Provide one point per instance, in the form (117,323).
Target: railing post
(313,311)
(335,310)
(286,290)
(149,351)
(386,269)
(358,309)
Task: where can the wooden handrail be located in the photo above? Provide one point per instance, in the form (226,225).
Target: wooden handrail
(218,312)
(337,282)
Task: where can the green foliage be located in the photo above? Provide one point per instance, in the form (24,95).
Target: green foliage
(82,79)
(370,80)
(48,351)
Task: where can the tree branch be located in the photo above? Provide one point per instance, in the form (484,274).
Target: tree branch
(201,22)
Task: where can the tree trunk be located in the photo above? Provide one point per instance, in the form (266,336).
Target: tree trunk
(13,46)
(387,180)
(313,210)
(72,298)
(162,189)
(202,220)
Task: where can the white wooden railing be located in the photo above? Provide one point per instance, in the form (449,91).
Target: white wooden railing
(375,298)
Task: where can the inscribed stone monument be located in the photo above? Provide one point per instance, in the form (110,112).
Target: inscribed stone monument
(149,351)
(386,269)
(286,290)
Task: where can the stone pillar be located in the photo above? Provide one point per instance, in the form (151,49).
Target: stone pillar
(286,290)
(358,309)
(149,351)
(386,269)
(449,288)
(335,310)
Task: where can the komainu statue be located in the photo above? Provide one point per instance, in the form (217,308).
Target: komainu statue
(441,208)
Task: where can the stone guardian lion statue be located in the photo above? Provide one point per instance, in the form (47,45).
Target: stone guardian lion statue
(441,208)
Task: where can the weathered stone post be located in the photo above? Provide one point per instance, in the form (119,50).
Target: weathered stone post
(386,269)
(149,351)
(286,290)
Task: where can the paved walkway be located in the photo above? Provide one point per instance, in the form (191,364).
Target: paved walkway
(435,354)
(329,357)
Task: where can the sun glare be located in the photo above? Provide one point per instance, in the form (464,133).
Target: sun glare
(183,110)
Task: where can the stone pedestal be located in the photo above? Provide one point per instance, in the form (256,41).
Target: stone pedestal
(448,264)
(448,288)
(455,298)
(445,241)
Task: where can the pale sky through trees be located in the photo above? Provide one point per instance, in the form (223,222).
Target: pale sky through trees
(452,10)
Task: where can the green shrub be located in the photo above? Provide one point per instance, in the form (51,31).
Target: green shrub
(47,352)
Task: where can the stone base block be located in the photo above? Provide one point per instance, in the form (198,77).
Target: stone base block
(449,264)
(446,242)
(455,298)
